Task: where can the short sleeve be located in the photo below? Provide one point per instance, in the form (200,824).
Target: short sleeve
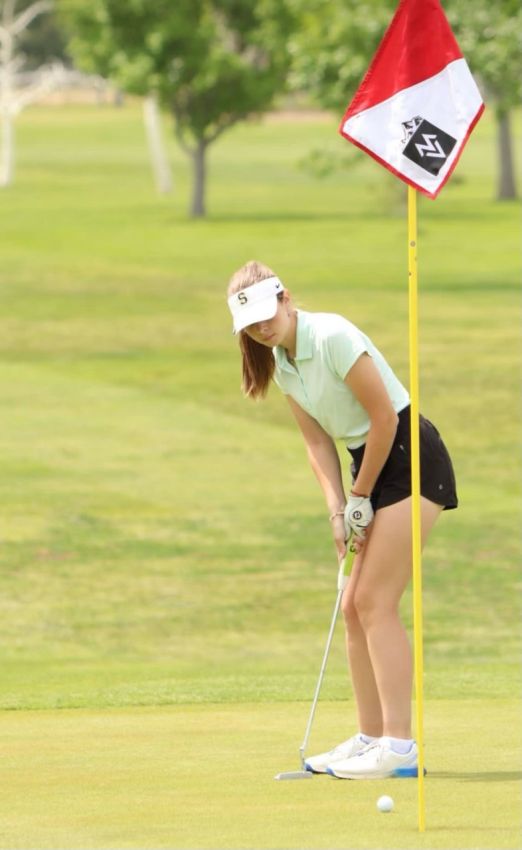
(345,344)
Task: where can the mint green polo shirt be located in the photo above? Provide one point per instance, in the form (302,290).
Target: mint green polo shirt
(327,347)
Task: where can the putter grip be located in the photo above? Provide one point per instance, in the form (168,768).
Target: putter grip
(345,569)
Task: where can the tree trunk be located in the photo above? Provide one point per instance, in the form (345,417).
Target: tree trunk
(7,156)
(160,163)
(118,98)
(198,189)
(506,187)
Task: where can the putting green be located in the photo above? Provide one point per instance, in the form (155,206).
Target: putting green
(202,777)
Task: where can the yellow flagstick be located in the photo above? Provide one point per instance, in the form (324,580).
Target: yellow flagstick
(415,485)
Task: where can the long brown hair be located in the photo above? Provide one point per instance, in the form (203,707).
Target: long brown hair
(258,362)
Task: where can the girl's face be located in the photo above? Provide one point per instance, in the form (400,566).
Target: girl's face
(279,330)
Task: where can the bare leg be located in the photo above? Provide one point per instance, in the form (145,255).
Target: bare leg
(369,712)
(378,646)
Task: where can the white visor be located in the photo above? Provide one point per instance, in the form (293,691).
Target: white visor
(256,303)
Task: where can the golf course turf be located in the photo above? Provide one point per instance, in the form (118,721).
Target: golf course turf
(167,574)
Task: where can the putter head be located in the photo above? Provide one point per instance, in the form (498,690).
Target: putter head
(295,774)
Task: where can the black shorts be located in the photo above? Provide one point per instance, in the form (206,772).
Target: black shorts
(394,481)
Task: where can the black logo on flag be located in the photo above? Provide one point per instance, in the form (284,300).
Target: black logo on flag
(427,145)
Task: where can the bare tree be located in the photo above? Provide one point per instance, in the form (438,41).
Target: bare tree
(17,90)
(158,155)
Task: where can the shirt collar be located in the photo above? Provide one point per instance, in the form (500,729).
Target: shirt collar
(303,338)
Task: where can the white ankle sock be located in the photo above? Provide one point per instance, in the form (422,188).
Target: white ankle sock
(399,745)
(367,739)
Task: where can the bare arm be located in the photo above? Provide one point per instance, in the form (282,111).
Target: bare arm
(325,463)
(365,382)
(323,457)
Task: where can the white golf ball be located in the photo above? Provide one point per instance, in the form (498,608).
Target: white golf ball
(385,803)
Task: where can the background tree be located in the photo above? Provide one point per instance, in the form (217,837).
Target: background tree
(211,63)
(337,39)
(18,86)
(334,44)
(43,42)
(490,35)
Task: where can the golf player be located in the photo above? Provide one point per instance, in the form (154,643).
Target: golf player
(340,388)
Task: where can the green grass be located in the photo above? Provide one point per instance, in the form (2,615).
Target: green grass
(145,780)
(164,543)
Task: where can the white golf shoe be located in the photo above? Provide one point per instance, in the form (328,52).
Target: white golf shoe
(376,761)
(344,751)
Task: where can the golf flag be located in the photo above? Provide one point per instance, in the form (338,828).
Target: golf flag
(418,102)
(413,112)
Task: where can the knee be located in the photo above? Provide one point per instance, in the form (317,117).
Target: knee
(368,607)
(351,618)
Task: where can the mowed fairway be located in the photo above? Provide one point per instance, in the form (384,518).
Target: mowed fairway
(167,577)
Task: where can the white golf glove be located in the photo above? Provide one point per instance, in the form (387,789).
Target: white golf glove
(358,515)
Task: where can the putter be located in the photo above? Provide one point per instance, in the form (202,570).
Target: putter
(342,579)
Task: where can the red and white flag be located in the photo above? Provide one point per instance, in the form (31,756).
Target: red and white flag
(418,102)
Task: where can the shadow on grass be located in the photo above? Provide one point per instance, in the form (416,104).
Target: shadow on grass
(485,776)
